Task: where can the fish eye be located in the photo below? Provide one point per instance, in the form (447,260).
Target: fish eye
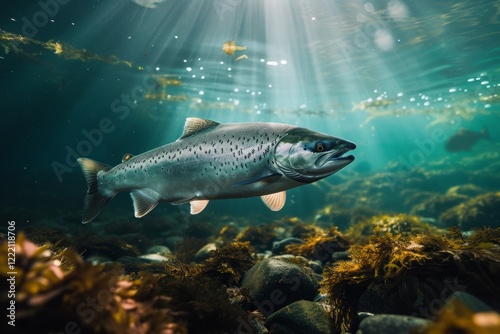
(319,147)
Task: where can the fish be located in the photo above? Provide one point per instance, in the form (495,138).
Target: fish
(212,161)
(464,139)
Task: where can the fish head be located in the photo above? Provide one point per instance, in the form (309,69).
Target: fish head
(307,156)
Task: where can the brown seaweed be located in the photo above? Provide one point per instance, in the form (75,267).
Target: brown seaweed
(321,245)
(413,271)
(90,298)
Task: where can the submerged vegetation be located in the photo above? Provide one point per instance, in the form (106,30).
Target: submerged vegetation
(413,271)
(30,48)
(61,288)
(409,270)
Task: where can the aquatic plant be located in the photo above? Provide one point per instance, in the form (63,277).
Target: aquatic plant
(199,292)
(228,233)
(112,247)
(18,44)
(411,271)
(186,249)
(399,224)
(321,245)
(226,265)
(90,298)
(260,237)
(478,211)
(434,205)
(40,235)
(299,229)
(342,217)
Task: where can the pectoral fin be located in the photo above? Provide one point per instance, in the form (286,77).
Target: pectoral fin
(275,201)
(198,206)
(144,200)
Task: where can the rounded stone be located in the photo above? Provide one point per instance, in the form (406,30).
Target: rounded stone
(205,252)
(300,317)
(159,249)
(272,284)
(392,323)
(279,247)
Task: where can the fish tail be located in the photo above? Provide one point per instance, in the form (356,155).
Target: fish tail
(486,133)
(94,200)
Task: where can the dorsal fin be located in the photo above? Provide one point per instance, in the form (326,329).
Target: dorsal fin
(194,125)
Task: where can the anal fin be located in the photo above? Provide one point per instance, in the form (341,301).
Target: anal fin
(198,206)
(144,201)
(275,201)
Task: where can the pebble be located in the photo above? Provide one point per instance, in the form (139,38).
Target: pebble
(154,258)
(343,255)
(273,284)
(173,240)
(279,247)
(316,266)
(472,302)
(159,249)
(392,323)
(300,317)
(205,252)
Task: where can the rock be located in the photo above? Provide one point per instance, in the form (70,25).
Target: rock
(316,266)
(300,317)
(470,301)
(154,258)
(378,299)
(337,256)
(205,252)
(159,249)
(97,259)
(392,323)
(279,247)
(478,211)
(272,284)
(173,240)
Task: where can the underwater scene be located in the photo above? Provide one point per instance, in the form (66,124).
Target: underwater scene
(267,166)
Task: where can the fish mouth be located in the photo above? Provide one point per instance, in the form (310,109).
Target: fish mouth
(337,157)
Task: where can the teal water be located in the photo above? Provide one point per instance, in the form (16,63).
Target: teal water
(395,77)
